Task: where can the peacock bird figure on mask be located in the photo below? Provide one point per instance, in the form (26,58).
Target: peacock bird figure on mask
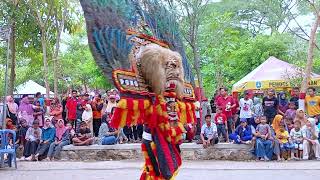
(138,47)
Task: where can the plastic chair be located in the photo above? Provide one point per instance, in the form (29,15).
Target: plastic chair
(6,149)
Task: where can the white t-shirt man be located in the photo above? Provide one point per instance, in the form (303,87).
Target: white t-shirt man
(246,107)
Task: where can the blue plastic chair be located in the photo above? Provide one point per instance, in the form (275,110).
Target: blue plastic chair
(5,149)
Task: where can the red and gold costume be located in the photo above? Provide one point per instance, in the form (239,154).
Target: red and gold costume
(151,73)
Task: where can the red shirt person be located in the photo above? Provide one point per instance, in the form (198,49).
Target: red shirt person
(226,103)
(72,106)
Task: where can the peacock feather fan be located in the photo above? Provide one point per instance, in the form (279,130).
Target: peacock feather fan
(107,23)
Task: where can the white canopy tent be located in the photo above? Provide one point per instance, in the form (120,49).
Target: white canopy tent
(31,88)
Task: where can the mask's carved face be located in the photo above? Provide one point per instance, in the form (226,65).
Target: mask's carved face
(162,69)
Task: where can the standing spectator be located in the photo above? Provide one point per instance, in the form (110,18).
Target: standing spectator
(38,97)
(33,137)
(111,103)
(246,107)
(197,113)
(25,110)
(295,96)
(97,106)
(62,138)
(56,109)
(313,103)
(12,110)
(257,108)
(291,112)
(64,109)
(226,102)
(242,134)
(270,105)
(283,103)
(38,113)
(87,116)
(213,102)
(47,137)
(72,108)
(221,123)
(208,133)
(310,135)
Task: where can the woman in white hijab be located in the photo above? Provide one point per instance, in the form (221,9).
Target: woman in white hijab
(310,134)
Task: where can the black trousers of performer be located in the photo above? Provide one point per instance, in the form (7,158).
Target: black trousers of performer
(96,126)
(137,131)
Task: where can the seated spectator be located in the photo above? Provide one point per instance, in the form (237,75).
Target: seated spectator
(243,133)
(62,138)
(209,134)
(10,125)
(296,138)
(221,123)
(84,136)
(107,135)
(21,133)
(33,137)
(288,122)
(264,149)
(283,138)
(72,132)
(310,134)
(189,135)
(48,134)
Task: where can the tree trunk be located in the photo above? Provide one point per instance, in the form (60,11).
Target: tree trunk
(45,61)
(13,58)
(59,27)
(312,44)
(55,64)
(196,58)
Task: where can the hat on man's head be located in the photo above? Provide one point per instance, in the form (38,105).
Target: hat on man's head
(242,120)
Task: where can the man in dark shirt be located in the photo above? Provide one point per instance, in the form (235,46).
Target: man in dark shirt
(270,105)
(295,96)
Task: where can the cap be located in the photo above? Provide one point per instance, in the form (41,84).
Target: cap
(243,120)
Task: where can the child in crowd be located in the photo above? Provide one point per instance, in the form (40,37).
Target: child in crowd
(84,136)
(291,112)
(285,146)
(243,133)
(310,134)
(288,122)
(264,149)
(296,139)
(221,123)
(254,133)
